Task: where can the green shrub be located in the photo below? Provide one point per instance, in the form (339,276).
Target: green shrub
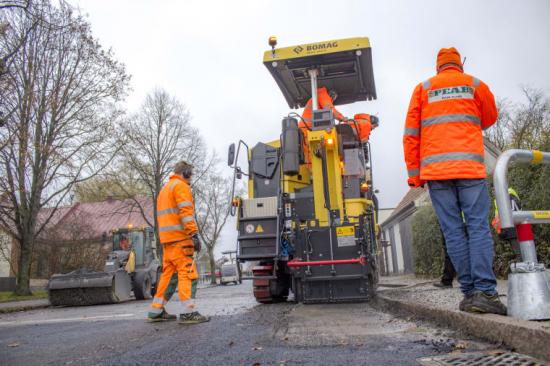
(427,243)
(531,185)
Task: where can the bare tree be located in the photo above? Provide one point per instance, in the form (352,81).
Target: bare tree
(118,181)
(157,137)
(523,125)
(212,200)
(9,49)
(499,134)
(531,120)
(60,109)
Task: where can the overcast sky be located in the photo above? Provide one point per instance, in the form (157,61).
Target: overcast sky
(209,55)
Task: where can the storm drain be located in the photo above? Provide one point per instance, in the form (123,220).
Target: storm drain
(482,359)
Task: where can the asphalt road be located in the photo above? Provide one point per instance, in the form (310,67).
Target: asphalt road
(240,333)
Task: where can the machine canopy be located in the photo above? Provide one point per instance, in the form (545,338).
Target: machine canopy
(344,65)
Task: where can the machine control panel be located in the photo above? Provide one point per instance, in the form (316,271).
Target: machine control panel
(322,119)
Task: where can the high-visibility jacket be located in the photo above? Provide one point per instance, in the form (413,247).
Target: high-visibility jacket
(442,138)
(175,212)
(324,100)
(515,203)
(363,124)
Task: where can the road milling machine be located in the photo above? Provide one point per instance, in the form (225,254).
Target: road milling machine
(132,268)
(309,222)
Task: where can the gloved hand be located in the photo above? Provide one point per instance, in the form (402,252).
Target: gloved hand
(416,182)
(196,243)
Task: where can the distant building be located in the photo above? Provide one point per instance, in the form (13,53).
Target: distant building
(397,233)
(81,231)
(397,246)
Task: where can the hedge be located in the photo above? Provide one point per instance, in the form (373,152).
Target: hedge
(529,182)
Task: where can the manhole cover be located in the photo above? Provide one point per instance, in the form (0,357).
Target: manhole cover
(482,359)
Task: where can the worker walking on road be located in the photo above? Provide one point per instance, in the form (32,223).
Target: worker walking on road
(178,235)
(173,285)
(443,146)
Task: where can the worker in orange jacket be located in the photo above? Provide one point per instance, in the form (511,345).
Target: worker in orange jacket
(443,146)
(178,234)
(364,123)
(325,100)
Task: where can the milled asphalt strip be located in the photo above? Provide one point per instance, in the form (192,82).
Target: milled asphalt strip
(64,320)
(524,336)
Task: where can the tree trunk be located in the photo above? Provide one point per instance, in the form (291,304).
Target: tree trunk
(160,249)
(213,280)
(23,287)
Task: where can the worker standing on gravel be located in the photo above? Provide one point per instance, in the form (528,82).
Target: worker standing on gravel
(178,234)
(443,146)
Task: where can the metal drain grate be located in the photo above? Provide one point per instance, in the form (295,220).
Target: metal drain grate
(482,359)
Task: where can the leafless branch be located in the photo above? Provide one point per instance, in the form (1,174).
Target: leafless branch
(60,105)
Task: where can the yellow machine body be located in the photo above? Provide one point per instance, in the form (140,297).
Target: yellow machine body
(309,220)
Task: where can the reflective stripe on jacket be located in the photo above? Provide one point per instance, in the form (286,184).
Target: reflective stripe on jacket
(442,138)
(175,211)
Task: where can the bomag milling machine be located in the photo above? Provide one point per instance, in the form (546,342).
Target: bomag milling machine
(311,227)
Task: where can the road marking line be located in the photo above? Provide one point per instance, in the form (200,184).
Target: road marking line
(64,320)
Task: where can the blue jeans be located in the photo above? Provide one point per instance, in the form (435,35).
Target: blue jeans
(472,254)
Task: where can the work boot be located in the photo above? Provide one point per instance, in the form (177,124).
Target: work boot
(192,318)
(466,301)
(443,285)
(164,316)
(485,304)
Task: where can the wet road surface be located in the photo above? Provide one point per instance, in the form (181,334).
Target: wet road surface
(239,333)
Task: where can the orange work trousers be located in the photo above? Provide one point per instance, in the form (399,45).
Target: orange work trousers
(177,257)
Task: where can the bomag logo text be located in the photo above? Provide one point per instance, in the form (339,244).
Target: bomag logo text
(321,46)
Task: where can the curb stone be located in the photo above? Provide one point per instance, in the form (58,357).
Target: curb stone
(531,338)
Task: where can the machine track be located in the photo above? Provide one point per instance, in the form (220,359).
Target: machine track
(261,287)
(273,288)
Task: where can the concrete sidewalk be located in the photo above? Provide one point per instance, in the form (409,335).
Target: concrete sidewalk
(416,297)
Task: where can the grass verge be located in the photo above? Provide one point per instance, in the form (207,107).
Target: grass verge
(6,296)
